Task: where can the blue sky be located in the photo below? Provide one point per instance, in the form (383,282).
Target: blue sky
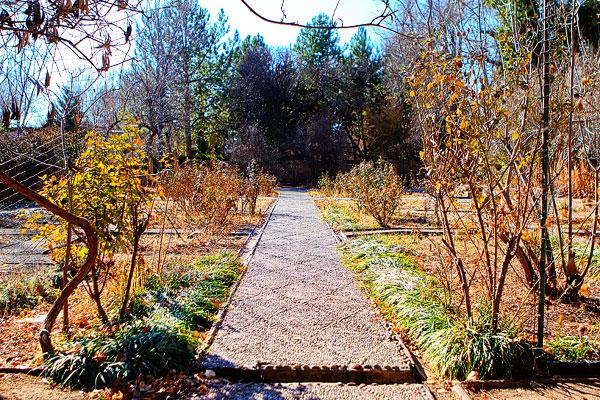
(350,11)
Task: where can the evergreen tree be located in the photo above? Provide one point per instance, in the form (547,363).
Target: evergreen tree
(361,73)
(318,47)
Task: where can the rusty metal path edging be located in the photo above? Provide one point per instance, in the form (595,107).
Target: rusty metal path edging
(359,374)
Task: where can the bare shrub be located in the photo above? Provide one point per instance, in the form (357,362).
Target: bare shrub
(206,192)
(256,183)
(377,190)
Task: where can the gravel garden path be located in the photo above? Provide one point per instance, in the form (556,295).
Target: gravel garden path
(298,315)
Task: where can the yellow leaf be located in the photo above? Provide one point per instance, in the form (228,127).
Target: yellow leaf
(585,290)
(412,93)
(515,135)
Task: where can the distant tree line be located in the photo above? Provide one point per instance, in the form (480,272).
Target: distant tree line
(201,93)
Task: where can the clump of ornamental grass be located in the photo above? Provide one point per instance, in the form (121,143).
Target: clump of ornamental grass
(121,356)
(339,216)
(417,303)
(160,334)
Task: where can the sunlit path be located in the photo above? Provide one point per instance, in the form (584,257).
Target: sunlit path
(297,306)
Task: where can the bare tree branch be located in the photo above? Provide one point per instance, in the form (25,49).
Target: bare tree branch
(383,21)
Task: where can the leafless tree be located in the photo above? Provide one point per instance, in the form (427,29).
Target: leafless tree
(178,48)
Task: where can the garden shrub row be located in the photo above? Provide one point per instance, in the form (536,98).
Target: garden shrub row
(209,192)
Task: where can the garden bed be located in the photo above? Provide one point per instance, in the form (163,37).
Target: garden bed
(572,329)
(184,311)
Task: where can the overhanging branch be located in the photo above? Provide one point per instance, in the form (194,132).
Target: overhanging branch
(378,22)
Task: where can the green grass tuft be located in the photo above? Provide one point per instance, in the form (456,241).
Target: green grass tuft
(416,302)
(161,334)
(189,295)
(573,348)
(340,217)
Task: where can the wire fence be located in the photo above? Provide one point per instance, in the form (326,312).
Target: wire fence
(26,155)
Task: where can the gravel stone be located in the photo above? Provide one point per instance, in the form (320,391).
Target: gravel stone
(321,391)
(210,374)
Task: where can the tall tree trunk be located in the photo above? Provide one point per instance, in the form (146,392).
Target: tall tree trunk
(187,117)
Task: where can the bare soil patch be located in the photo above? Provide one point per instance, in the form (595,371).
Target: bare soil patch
(25,387)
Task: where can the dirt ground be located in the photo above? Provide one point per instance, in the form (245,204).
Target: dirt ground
(24,387)
(558,391)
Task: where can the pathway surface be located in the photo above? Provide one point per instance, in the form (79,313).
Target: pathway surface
(314,391)
(298,306)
